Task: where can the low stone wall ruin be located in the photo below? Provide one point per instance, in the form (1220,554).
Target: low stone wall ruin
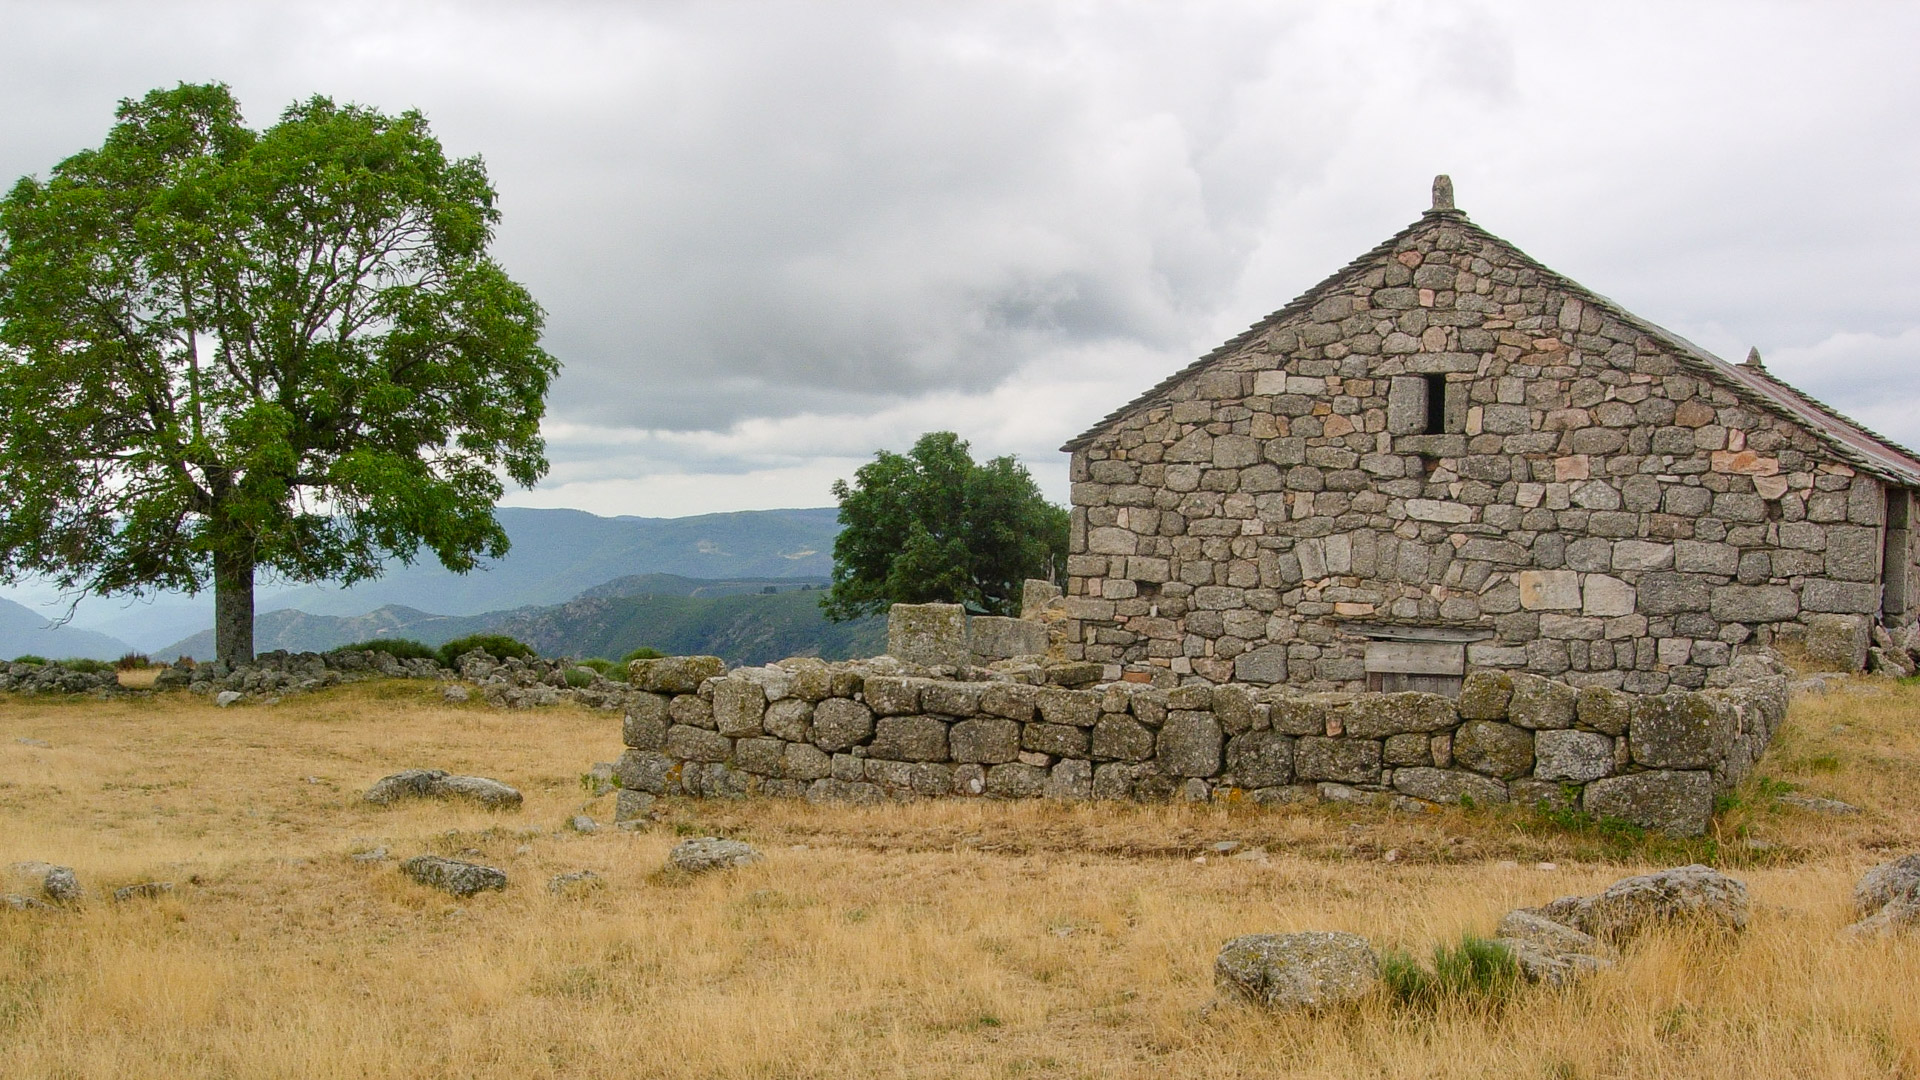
(868,731)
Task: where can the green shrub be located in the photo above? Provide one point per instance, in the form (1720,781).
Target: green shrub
(29,658)
(578,678)
(498,646)
(133,661)
(641,653)
(608,668)
(87,667)
(399,648)
(1477,971)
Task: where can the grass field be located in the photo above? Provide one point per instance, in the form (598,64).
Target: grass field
(964,939)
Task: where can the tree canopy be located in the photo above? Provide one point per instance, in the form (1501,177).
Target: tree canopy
(933,525)
(224,350)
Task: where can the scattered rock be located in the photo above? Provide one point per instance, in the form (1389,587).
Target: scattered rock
(1693,896)
(576,884)
(1899,916)
(452,875)
(632,806)
(41,743)
(1549,966)
(711,853)
(581,823)
(57,883)
(227,697)
(17,902)
(371,855)
(456,694)
(1886,883)
(1285,971)
(146,890)
(1818,805)
(1524,925)
(599,779)
(1549,952)
(438,784)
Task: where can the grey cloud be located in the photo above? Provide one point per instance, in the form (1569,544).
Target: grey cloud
(861,214)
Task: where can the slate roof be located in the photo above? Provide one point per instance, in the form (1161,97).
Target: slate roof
(1856,445)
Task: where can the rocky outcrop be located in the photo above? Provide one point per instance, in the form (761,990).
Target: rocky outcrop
(56,884)
(1887,899)
(1311,970)
(452,875)
(710,853)
(1695,897)
(439,784)
(1548,952)
(576,884)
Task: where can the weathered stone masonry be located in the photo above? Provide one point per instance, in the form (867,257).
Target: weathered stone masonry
(1448,455)
(871,731)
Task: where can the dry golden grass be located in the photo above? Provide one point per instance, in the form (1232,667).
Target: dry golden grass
(937,939)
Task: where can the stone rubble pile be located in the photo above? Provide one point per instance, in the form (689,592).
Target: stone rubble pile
(1895,650)
(871,730)
(54,678)
(513,683)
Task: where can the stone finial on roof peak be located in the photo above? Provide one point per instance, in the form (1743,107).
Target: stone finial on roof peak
(1753,359)
(1443,192)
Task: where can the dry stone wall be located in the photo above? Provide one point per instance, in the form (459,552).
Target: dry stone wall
(870,731)
(1590,505)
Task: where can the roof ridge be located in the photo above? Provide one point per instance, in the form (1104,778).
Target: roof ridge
(1725,375)
(1303,302)
(1696,359)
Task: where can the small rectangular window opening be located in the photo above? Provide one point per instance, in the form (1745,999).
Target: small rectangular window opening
(1436,404)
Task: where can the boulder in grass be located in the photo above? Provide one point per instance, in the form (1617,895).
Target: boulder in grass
(452,875)
(576,884)
(1900,916)
(1549,952)
(1310,970)
(146,890)
(16,902)
(1888,899)
(57,884)
(1695,897)
(439,784)
(1880,886)
(711,853)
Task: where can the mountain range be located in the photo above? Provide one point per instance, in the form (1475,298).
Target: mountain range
(742,621)
(556,555)
(24,632)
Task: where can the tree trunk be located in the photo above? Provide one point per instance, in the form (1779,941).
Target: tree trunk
(233,608)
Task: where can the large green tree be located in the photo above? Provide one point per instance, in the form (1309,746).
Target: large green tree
(224,351)
(932,525)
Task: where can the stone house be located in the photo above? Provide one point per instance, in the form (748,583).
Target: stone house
(1446,457)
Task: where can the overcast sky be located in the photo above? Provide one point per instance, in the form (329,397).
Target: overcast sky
(773,238)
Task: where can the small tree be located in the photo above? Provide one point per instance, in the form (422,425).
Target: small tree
(223,350)
(934,526)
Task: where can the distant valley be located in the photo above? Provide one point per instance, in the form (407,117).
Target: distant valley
(557,556)
(750,621)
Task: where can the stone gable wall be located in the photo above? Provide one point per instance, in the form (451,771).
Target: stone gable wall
(870,731)
(1603,515)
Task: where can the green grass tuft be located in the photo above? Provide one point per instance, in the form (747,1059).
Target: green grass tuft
(399,648)
(498,646)
(1476,971)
